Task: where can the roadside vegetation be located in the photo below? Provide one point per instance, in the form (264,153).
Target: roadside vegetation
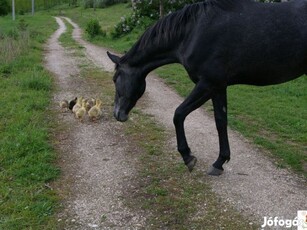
(26,155)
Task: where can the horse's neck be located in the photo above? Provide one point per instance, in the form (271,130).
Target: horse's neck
(148,60)
(155,61)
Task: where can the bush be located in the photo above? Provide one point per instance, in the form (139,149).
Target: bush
(101,3)
(145,13)
(5,70)
(4,7)
(93,28)
(88,4)
(22,25)
(124,26)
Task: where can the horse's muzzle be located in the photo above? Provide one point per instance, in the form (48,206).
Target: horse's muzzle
(120,115)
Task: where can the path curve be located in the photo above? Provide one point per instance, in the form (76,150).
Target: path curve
(251,182)
(99,178)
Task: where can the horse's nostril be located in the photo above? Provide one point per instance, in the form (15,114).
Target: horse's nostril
(120,115)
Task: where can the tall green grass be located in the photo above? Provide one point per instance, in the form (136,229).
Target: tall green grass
(26,154)
(10,48)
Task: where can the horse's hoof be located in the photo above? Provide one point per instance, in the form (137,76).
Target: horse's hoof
(214,171)
(191,163)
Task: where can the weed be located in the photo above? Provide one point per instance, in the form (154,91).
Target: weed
(5,70)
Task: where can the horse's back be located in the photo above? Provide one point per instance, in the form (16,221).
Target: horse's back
(254,43)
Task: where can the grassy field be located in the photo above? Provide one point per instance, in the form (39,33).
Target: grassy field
(26,154)
(273,117)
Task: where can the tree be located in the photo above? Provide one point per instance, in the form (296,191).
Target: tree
(161,8)
(4,7)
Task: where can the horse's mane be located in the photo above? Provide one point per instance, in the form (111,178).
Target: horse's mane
(166,31)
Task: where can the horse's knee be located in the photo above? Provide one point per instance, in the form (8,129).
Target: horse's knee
(178,117)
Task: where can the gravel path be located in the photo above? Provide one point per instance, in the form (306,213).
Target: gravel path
(95,178)
(257,188)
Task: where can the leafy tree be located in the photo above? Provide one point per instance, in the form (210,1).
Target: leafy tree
(4,7)
(101,3)
(146,12)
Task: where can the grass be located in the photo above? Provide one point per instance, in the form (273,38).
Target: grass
(272,117)
(26,155)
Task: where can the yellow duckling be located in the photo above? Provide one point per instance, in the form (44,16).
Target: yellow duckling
(78,105)
(90,103)
(95,112)
(64,105)
(80,113)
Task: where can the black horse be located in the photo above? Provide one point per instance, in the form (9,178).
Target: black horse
(220,43)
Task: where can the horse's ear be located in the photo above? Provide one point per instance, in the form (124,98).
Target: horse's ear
(113,57)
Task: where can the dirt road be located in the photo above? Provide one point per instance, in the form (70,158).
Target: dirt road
(257,188)
(97,176)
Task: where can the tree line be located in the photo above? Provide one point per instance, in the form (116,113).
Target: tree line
(25,6)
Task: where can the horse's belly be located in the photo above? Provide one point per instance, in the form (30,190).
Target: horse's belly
(262,78)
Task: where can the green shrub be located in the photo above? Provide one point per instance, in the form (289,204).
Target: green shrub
(88,4)
(22,25)
(145,13)
(21,12)
(93,28)
(5,70)
(4,7)
(101,3)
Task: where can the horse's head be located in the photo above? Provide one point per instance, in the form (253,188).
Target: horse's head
(129,87)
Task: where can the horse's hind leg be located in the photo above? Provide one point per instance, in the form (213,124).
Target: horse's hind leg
(200,94)
(219,100)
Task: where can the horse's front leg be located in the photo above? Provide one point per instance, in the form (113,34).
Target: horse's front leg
(200,94)
(219,100)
